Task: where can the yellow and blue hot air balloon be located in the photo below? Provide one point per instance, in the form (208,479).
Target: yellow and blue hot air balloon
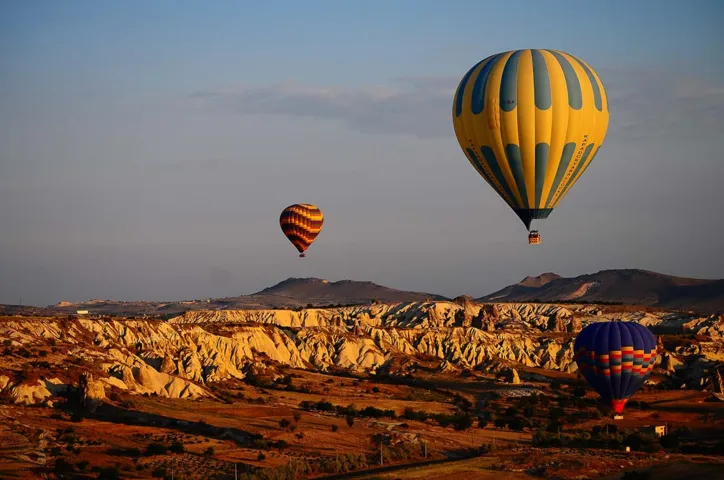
(301,223)
(531,122)
(615,358)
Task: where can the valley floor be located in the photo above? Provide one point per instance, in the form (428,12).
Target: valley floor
(278,430)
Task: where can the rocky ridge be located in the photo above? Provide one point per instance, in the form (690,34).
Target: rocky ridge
(181,357)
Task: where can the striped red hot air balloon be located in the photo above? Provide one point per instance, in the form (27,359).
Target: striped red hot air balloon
(301,223)
(615,358)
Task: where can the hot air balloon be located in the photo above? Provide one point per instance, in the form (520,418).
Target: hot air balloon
(301,223)
(615,358)
(531,122)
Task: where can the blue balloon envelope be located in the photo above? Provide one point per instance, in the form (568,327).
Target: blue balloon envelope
(615,358)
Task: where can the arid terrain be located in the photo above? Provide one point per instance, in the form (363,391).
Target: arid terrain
(450,389)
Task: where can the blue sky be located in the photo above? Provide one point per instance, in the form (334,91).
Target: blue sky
(147,147)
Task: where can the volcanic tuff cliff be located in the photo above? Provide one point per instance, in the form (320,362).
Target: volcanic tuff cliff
(180,357)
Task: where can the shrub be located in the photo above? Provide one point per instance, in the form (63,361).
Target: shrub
(579,392)
(517,424)
(335,428)
(62,467)
(177,447)
(554,427)
(209,452)
(133,452)
(634,475)
(379,438)
(109,473)
(155,449)
(324,406)
(463,422)
(261,457)
(669,441)
(159,472)
(284,423)
(718,449)
(556,413)
(485,448)
(350,420)
(411,414)
(511,412)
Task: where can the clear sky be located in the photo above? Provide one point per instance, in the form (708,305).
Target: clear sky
(147,148)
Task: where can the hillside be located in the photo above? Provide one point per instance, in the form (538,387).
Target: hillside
(630,287)
(291,293)
(318,291)
(634,287)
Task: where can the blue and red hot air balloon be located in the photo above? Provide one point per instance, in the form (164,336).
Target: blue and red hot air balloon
(615,358)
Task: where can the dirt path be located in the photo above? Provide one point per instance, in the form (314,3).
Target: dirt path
(392,468)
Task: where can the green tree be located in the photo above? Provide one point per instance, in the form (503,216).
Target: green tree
(462,422)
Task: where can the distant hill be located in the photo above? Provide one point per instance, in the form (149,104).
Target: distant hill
(319,291)
(25,310)
(631,287)
(290,293)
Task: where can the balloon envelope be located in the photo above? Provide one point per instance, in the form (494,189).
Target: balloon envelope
(531,122)
(301,223)
(615,358)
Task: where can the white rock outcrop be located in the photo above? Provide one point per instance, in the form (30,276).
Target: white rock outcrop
(178,358)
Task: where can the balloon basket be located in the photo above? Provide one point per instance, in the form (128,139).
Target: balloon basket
(618,417)
(301,255)
(534,238)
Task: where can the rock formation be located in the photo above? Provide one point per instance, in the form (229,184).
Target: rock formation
(486,318)
(557,321)
(464,316)
(574,326)
(92,392)
(718,386)
(669,362)
(178,358)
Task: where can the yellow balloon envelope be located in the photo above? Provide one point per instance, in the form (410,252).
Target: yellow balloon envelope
(531,122)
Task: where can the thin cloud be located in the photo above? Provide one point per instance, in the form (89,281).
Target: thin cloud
(416,106)
(655,104)
(642,104)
